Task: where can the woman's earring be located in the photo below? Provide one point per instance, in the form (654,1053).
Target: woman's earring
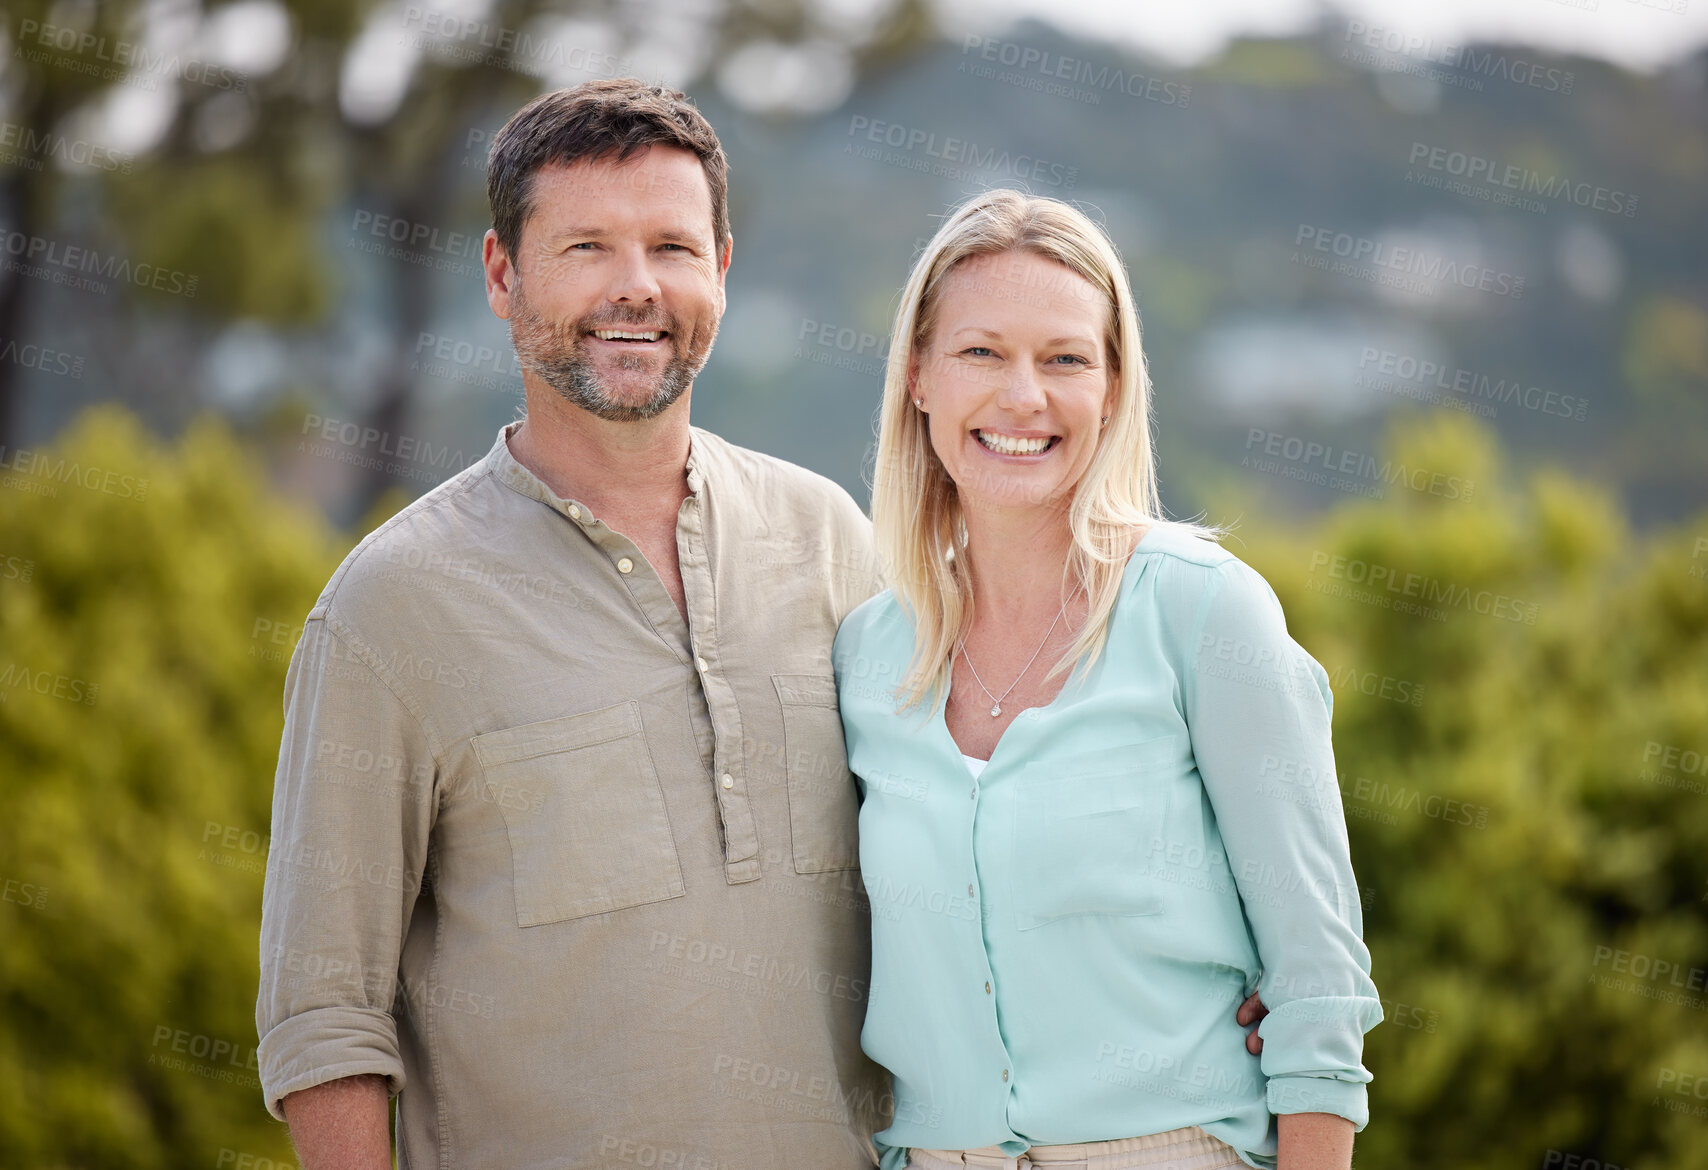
(1105,420)
(919,402)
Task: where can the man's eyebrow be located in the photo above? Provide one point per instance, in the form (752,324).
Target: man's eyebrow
(677,235)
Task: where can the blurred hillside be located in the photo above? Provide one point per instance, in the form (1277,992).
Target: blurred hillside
(1319,231)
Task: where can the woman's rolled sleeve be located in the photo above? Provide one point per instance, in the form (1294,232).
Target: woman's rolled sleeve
(1258,708)
(352,809)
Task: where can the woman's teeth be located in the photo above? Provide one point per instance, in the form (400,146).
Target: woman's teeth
(1008,445)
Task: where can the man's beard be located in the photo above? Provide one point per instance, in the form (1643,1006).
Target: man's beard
(558,355)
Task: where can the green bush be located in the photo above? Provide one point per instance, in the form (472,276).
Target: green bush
(1525,827)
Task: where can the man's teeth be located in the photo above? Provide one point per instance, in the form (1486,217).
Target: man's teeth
(1008,445)
(626,335)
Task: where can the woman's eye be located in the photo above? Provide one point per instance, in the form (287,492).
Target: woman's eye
(977,350)
(1070,358)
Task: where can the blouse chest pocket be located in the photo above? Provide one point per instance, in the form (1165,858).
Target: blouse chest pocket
(824,805)
(1084,826)
(592,834)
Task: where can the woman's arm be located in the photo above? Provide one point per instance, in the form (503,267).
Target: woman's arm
(1258,712)
(1314,1141)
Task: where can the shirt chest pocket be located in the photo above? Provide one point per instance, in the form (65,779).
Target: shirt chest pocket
(1084,826)
(824,805)
(591,834)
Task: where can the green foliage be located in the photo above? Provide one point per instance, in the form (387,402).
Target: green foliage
(1568,651)
(140,713)
(1515,1025)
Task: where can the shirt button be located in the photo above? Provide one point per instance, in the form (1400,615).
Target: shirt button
(974,793)
(969,890)
(701,663)
(987,988)
(728,781)
(624,565)
(575,511)
(1005,1074)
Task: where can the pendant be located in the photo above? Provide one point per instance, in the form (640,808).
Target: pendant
(996,710)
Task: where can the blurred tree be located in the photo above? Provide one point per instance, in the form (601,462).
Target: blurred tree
(149,602)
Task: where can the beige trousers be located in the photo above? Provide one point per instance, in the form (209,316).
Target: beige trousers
(1178,1149)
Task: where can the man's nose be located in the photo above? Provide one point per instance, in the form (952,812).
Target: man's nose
(633,280)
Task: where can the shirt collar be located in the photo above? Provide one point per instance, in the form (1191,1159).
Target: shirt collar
(507,470)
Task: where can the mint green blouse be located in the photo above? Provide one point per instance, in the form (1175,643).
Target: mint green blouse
(1060,942)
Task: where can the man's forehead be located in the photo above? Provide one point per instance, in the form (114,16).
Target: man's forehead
(658,174)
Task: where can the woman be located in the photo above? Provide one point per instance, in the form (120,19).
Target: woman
(1099,803)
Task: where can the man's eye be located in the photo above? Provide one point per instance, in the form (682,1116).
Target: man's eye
(678,247)
(583,244)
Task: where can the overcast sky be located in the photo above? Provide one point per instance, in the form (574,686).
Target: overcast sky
(1638,34)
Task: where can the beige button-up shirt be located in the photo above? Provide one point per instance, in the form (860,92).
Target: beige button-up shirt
(578,878)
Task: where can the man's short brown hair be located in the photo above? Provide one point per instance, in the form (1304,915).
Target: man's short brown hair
(613,117)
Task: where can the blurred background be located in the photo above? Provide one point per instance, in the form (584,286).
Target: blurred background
(1425,298)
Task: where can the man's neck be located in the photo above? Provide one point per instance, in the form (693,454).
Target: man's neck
(637,470)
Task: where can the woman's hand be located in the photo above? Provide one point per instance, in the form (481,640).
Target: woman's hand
(1314,1141)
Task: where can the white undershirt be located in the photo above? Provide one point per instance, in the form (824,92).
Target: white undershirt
(974,764)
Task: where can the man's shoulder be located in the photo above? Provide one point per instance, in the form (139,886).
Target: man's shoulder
(432,534)
(775,481)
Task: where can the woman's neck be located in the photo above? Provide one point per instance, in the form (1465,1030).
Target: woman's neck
(1017,558)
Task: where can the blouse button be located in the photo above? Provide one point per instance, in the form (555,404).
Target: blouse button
(624,565)
(1004,1074)
(969,890)
(728,781)
(987,988)
(575,511)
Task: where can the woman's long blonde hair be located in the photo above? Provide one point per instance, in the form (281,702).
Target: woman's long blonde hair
(917,523)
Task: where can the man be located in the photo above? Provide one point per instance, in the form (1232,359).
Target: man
(564,831)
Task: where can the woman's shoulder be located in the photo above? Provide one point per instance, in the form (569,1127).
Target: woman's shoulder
(879,615)
(1190,570)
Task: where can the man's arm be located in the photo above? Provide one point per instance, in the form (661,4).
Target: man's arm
(352,811)
(340,1125)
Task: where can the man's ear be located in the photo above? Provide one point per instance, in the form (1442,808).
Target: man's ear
(723,271)
(500,274)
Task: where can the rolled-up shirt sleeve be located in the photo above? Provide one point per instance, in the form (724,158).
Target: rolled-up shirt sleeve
(353,803)
(1258,707)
